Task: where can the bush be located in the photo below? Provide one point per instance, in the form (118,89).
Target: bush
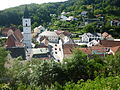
(110,83)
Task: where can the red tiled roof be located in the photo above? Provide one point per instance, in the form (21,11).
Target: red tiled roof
(67,48)
(105,34)
(94,48)
(115,49)
(14,37)
(58,32)
(116,20)
(12,42)
(86,50)
(19,44)
(66,33)
(5,30)
(18,34)
(109,43)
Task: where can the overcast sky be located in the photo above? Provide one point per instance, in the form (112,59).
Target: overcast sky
(12,3)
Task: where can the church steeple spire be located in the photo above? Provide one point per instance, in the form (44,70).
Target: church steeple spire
(26,12)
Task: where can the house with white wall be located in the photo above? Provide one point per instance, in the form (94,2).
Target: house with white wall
(84,13)
(93,43)
(87,37)
(57,51)
(115,23)
(51,35)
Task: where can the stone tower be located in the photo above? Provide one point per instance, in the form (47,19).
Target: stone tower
(27,37)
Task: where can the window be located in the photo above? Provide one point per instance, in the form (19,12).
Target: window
(59,49)
(55,52)
(55,44)
(55,48)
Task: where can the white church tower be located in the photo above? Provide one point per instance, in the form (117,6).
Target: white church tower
(27,37)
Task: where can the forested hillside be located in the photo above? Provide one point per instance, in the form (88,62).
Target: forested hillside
(41,14)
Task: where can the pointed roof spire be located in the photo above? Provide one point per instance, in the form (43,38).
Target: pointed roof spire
(26,12)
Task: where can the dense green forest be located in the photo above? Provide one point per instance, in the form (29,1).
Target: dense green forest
(41,15)
(75,73)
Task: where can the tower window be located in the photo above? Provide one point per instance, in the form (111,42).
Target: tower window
(26,24)
(55,52)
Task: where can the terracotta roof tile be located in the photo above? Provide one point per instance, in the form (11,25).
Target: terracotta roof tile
(10,41)
(18,34)
(66,33)
(115,49)
(109,43)
(96,49)
(5,30)
(67,48)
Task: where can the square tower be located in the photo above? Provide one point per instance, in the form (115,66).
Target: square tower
(27,37)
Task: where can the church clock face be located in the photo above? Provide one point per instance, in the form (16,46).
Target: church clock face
(27,29)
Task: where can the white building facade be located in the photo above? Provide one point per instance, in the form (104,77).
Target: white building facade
(27,37)
(51,35)
(87,37)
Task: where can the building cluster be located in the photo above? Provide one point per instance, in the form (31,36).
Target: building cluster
(57,44)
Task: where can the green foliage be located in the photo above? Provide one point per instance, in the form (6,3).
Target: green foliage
(75,67)
(110,83)
(112,67)
(37,72)
(3,54)
(90,28)
(47,74)
(4,87)
(2,42)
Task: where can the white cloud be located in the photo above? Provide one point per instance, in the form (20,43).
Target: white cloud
(12,3)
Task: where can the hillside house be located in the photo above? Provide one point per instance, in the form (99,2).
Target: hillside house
(87,37)
(68,49)
(14,39)
(115,22)
(63,18)
(93,43)
(41,53)
(51,35)
(102,51)
(56,51)
(14,44)
(114,50)
(107,36)
(39,29)
(84,13)
(109,43)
